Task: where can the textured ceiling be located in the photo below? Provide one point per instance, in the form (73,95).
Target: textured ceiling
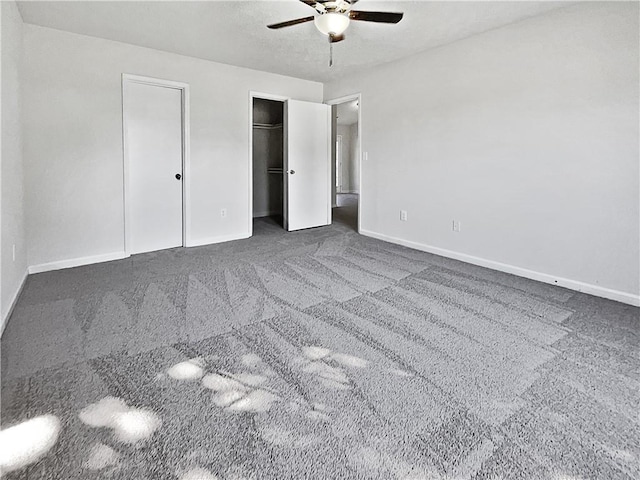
(234,32)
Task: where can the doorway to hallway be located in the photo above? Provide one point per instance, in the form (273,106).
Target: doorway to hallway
(346,210)
(346,156)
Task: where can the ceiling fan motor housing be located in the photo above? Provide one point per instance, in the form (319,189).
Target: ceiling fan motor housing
(333,17)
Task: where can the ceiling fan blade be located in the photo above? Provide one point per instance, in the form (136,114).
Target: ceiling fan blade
(378,17)
(290,22)
(336,38)
(317,5)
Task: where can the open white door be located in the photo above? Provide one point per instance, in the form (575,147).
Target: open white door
(153,166)
(307,165)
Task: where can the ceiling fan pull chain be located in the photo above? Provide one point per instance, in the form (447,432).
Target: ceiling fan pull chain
(330,52)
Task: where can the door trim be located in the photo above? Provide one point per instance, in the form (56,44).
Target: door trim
(338,178)
(337,101)
(186,163)
(263,96)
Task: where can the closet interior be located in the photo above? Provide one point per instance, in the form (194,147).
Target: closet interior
(268,159)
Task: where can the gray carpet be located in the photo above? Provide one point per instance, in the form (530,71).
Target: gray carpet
(315,354)
(347,211)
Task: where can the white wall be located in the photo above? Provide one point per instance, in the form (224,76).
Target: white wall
(345,168)
(350,173)
(13,272)
(527,134)
(354,165)
(73,140)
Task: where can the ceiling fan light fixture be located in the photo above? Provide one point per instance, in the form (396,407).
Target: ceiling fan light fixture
(332,23)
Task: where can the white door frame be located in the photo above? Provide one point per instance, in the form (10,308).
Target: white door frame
(263,96)
(339,159)
(349,98)
(186,177)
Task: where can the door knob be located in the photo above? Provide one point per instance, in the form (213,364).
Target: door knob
(178,176)
(292,172)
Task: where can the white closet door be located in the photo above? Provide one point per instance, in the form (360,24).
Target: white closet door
(153,142)
(307,165)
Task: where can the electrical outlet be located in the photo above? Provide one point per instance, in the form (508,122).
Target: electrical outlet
(13,252)
(223,213)
(365,156)
(403,215)
(456,226)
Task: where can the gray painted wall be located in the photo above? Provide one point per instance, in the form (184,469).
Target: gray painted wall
(73,141)
(349,134)
(13,272)
(527,135)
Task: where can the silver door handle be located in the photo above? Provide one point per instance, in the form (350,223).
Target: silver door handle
(291,172)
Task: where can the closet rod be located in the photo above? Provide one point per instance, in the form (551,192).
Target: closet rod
(267,126)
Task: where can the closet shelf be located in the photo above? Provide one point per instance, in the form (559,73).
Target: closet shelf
(267,126)
(274,170)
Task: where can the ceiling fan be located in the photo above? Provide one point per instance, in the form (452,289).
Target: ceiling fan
(334,16)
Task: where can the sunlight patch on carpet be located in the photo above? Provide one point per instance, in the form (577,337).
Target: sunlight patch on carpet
(187,370)
(102,456)
(27,442)
(129,424)
(198,474)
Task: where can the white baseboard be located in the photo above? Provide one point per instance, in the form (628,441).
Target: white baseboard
(220,239)
(76,262)
(576,285)
(12,303)
(107,257)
